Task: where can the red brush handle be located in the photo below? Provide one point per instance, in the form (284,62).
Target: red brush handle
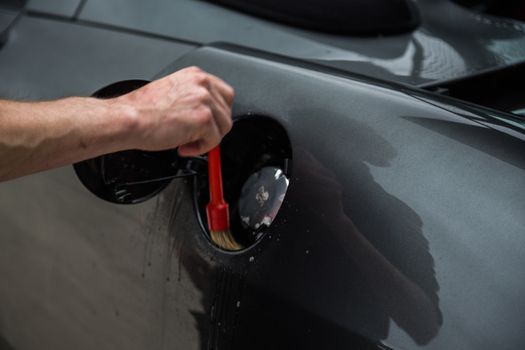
(217,209)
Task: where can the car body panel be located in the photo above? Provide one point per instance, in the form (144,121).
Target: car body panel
(65,8)
(8,17)
(68,59)
(431,190)
(432,53)
(402,227)
(421,207)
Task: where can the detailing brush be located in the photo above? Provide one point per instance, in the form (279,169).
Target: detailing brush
(217,210)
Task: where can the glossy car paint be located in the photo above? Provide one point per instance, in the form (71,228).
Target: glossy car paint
(363,195)
(423,249)
(452,42)
(358,17)
(8,16)
(66,8)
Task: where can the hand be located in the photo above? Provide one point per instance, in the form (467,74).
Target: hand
(189,109)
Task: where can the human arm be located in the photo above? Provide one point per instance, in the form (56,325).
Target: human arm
(189,109)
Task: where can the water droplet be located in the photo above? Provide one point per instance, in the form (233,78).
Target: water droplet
(212,313)
(251,259)
(238,303)
(307,251)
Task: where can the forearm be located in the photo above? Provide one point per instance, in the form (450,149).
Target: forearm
(189,109)
(43,135)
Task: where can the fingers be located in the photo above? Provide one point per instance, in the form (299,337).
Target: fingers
(218,123)
(222,95)
(221,112)
(191,149)
(210,82)
(225,90)
(207,131)
(189,109)
(220,102)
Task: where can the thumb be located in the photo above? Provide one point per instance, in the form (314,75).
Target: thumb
(191,149)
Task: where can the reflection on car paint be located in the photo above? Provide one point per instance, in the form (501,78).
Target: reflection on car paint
(384,57)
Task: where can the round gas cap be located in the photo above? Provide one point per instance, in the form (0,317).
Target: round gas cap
(261,197)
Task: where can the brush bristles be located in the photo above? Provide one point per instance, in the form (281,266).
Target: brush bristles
(225,240)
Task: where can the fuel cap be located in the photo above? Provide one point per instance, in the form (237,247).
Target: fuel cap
(261,197)
(256,166)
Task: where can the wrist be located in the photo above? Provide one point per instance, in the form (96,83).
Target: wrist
(124,124)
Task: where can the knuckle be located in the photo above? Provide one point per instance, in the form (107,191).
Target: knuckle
(193,69)
(229,124)
(202,94)
(226,124)
(201,79)
(213,140)
(204,115)
(230,91)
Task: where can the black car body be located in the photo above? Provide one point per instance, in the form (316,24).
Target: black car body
(402,226)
